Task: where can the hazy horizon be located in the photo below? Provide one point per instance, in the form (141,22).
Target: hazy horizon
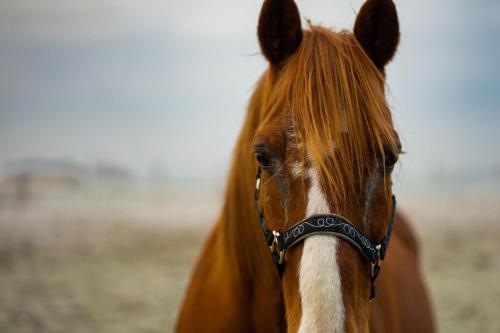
(161,87)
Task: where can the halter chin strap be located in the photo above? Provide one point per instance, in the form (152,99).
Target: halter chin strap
(280,242)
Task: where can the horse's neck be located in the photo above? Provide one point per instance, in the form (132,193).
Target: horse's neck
(240,229)
(234,287)
(257,287)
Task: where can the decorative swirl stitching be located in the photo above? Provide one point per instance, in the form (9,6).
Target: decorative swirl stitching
(346,228)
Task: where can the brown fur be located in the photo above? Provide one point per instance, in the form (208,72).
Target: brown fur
(328,84)
(324,105)
(234,287)
(403,228)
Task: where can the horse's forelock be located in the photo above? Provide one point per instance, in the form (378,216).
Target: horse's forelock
(335,96)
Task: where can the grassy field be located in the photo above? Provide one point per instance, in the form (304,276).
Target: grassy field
(79,274)
(128,280)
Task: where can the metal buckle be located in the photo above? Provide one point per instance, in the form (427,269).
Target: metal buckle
(375,270)
(378,260)
(275,247)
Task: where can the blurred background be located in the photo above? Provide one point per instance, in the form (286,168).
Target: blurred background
(117,121)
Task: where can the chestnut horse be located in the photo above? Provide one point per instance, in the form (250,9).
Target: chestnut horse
(319,127)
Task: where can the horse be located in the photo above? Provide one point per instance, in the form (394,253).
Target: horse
(319,135)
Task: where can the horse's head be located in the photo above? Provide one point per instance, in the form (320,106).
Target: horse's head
(326,144)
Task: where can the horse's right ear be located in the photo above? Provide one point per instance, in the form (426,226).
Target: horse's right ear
(279,31)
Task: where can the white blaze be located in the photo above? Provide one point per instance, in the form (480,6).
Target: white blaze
(319,276)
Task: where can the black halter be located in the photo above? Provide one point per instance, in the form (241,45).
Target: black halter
(325,224)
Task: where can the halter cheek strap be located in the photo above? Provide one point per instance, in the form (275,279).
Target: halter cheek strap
(329,224)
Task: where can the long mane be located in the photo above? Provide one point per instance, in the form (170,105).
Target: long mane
(339,115)
(339,112)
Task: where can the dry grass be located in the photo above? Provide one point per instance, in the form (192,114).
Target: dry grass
(125,280)
(78,274)
(462,267)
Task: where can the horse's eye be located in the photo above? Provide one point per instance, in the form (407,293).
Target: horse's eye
(390,160)
(265,160)
(264,157)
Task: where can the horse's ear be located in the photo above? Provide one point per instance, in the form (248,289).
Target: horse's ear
(377,30)
(279,31)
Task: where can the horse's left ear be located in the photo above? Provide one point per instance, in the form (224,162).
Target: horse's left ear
(377,30)
(279,31)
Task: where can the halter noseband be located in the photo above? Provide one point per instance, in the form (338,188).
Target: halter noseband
(325,224)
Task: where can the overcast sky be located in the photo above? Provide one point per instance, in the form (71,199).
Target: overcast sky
(163,85)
